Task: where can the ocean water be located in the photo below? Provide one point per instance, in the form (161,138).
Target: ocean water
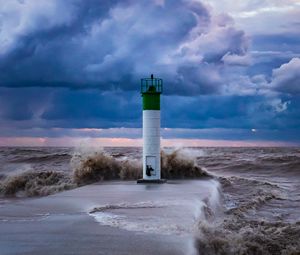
(253,205)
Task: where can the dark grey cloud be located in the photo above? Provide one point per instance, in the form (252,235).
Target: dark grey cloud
(111,44)
(234,134)
(64,112)
(244,112)
(92,108)
(65,108)
(75,64)
(23,103)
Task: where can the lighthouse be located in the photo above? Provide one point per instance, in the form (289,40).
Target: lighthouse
(151,89)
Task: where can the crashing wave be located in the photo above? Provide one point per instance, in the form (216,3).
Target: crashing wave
(239,236)
(100,166)
(35,184)
(92,168)
(234,232)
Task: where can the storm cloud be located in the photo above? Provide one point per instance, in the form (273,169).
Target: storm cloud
(76,64)
(111,44)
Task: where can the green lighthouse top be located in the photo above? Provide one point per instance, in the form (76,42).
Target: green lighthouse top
(151,88)
(151,85)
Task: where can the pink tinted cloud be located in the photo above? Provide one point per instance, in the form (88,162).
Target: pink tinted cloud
(128,142)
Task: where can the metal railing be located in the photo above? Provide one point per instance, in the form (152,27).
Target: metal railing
(151,85)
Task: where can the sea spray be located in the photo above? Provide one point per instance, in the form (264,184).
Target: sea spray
(179,164)
(240,236)
(35,184)
(100,166)
(94,165)
(210,208)
(235,232)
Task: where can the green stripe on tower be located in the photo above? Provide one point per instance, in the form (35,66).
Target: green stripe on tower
(151,101)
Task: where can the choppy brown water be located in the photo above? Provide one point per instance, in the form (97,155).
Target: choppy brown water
(259,209)
(41,173)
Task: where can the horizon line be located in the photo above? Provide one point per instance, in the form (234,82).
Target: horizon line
(135,142)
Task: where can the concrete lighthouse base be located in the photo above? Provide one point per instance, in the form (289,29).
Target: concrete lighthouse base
(157,181)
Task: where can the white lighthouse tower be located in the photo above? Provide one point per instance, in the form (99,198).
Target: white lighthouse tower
(151,88)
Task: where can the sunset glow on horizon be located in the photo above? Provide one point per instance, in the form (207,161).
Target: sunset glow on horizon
(133,142)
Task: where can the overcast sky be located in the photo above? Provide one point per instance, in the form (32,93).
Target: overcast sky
(70,70)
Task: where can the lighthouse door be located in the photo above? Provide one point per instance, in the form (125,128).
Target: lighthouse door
(150,166)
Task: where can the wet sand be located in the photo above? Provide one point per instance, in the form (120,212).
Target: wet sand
(129,219)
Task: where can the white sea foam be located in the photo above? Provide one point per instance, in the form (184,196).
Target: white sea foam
(173,214)
(146,217)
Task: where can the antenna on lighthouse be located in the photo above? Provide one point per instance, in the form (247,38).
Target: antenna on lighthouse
(151,89)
